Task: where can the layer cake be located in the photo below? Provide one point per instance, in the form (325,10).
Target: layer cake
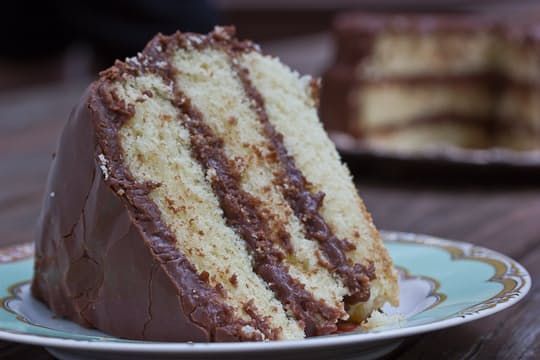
(428,80)
(195,196)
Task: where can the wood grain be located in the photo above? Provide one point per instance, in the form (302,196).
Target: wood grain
(500,217)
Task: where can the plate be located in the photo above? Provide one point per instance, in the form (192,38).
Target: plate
(442,283)
(442,161)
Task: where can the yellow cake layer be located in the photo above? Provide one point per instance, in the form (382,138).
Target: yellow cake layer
(157,148)
(291,110)
(396,104)
(442,54)
(207,78)
(425,136)
(431,53)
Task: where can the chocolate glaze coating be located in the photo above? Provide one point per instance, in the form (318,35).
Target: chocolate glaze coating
(99,264)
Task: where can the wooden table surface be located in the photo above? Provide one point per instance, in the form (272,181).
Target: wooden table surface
(501,217)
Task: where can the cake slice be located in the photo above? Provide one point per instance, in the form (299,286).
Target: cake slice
(196,197)
(412,82)
(409,82)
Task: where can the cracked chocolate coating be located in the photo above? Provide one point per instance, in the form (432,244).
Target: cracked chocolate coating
(103,260)
(104,257)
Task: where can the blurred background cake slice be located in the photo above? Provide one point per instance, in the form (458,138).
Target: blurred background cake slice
(412,81)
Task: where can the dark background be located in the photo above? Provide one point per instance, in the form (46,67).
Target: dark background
(60,40)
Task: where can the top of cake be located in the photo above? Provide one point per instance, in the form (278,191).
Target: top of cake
(198,198)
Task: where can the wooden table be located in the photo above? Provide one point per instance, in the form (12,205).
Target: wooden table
(501,217)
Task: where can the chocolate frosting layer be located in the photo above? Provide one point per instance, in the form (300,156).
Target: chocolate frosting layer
(306,205)
(244,212)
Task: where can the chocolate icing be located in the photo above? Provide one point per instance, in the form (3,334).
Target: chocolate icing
(245,215)
(242,213)
(103,256)
(306,205)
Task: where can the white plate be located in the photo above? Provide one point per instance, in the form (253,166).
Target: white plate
(442,284)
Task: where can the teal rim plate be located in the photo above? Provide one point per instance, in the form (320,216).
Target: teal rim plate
(442,283)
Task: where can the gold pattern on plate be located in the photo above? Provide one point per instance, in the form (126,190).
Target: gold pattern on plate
(13,294)
(506,272)
(434,284)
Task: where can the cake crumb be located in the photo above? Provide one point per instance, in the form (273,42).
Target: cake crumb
(211,174)
(379,318)
(165,117)
(103,162)
(241,164)
(234,280)
(205,275)
(195,39)
(248,330)
(171,205)
(133,61)
(220,289)
(222,33)
(321,260)
(161,64)
(315,90)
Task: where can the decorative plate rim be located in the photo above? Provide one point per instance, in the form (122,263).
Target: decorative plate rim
(458,250)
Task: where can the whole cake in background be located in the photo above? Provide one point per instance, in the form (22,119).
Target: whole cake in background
(195,196)
(410,82)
